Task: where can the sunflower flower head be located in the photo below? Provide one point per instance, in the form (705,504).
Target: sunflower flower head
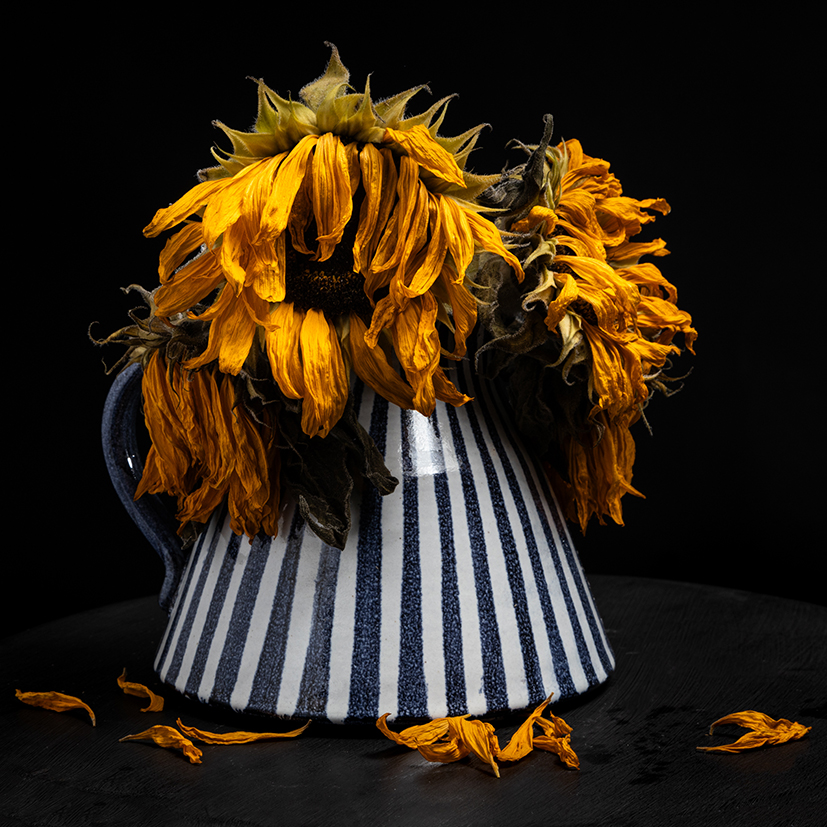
(334,237)
(588,335)
(339,232)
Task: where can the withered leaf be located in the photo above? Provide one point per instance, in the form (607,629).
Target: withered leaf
(156,702)
(56,701)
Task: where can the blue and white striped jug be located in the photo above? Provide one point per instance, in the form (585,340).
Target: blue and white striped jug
(460,592)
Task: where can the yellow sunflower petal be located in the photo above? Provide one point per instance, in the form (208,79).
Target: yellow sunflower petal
(766,731)
(325,379)
(478,737)
(556,738)
(445,391)
(282,342)
(168,738)
(178,247)
(185,206)
(522,740)
(445,752)
(54,701)
(239,737)
(291,174)
(426,268)
(417,347)
(226,207)
(232,329)
(487,236)
(543,217)
(405,231)
(156,702)
(192,283)
(332,204)
(415,736)
(371,365)
(422,148)
(458,233)
(371,163)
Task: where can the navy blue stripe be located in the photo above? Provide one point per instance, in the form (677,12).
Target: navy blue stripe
(213,613)
(312,700)
(363,700)
(514,572)
(541,502)
(183,588)
(493,679)
(455,691)
(593,622)
(186,628)
(560,662)
(267,681)
(227,671)
(412,695)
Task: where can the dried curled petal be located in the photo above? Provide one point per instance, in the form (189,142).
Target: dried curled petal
(156,702)
(236,737)
(56,701)
(476,736)
(449,739)
(415,736)
(766,731)
(556,738)
(169,738)
(444,752)
(522,741)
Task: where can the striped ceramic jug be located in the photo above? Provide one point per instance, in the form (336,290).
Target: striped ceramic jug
(460,592)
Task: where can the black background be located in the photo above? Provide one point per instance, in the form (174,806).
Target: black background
(112,123)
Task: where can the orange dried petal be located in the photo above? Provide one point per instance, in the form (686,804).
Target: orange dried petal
(445,752)
(478,737)
(56,701)
(556,738)
(561,747)
(415,736)
(238,737)
(156,702)
(168,738)
(522,741)
(766,731)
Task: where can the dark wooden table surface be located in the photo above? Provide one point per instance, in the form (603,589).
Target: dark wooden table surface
(687,655)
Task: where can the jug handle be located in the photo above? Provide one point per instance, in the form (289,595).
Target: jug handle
(125,466)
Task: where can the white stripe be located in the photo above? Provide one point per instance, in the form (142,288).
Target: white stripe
(430,551)
(467,593)
(511,645)
(516,453)
(260,618)
(301,621)
(223,625)
(204,603)
(176,617)
(561,612)
(341,638)
(391,569)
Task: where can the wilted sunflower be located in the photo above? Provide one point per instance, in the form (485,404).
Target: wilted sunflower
(337,233)
(591,328)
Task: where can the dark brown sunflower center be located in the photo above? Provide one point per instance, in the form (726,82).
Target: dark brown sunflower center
(330,286)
